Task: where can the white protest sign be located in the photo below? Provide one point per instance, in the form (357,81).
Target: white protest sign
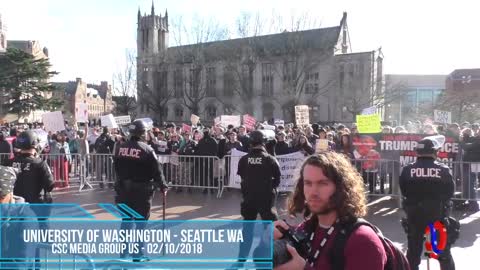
(269,127)
(194,119)
(216,121)
(279,122)
(234,120)
(53,121)
(289,166)
(442,117)
(123,120)
(370,110)
(81,112)
(108,121)
(42,137)
(302,116)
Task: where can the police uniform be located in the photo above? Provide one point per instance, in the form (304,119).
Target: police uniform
(34,175)
(427,187)
(260,174)
(138,174)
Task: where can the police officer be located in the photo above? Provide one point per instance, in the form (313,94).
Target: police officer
(138,175)
(260,176)
(34,174)
(427,187)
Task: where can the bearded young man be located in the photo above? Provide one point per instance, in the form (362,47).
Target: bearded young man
(330,194)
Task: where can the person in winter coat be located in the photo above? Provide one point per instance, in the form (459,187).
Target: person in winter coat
(304,146)
(207,148)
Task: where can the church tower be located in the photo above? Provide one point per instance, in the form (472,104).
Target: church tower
(152,33)
(3,37)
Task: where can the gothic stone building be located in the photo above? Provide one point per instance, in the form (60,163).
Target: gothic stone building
(264,76)
(97,97)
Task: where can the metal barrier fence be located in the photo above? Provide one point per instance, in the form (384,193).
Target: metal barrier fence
(46,260)
(213,174)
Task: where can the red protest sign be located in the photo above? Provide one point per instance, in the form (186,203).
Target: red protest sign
(186,128)
(249,122)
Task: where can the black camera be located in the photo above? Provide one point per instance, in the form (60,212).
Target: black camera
(298,239)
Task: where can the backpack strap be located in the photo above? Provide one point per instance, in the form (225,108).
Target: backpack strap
(337,256)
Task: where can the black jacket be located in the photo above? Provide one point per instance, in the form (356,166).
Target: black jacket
(34,177)
(207,146)
(260,173)
(136,161)
(471,150)
(426,183)
(282,148)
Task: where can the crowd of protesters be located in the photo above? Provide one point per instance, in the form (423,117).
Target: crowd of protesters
(170,140)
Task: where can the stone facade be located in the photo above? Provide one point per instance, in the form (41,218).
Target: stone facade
(3,36)
(265,76)
(98,98)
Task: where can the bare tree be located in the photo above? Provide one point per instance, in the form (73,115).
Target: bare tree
(125,86)
(464,104)
(157,97)
(196,56)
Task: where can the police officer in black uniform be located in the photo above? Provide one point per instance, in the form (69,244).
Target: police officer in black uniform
(34,174)
(138,175)
(260,174)
(427,187)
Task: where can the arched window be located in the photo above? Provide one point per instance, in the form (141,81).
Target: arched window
(211,112)
(178,112)
(268,110)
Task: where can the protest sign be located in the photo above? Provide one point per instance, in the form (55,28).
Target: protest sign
(216,121)
(226,120)
(108,121)
(370,110)
(186,128)
(194,119)
(249,122)
(369,123)
(322,145)
(269,127)
(302,117)
(279,122)
(123,120)
(53,121)
(81,113)
(42,137)
(289,166)
(442,117)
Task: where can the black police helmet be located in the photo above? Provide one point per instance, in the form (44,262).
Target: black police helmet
(137,128)
(430,145)
(257,137)
(27,140)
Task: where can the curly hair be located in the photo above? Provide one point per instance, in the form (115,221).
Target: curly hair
(349,196)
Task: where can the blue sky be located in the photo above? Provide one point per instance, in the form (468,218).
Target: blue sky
(88,38)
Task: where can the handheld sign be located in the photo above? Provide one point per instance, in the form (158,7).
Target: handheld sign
(81,112)
(369,123)
(53,121)
(302,116)
(108,121)
(194,119)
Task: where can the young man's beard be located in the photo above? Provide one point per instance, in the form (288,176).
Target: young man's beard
(328,208)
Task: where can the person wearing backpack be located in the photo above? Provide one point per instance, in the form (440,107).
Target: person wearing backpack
(427,187)
(330,194)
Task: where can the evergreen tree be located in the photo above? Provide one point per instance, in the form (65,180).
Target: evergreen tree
(24,81)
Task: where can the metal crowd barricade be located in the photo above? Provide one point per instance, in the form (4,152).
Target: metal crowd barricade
(379,176)
(466,176)
(199,172)
(99,169)
(66,169)
(46,260)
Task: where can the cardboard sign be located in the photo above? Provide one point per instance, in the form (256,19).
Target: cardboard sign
(108,121)
(249,122)
(369,123)
(53,121)
(302,116)
(123,120)
(186,128)
(194,119)
(442,117)
(81,113)
(234,120)
(322,145)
